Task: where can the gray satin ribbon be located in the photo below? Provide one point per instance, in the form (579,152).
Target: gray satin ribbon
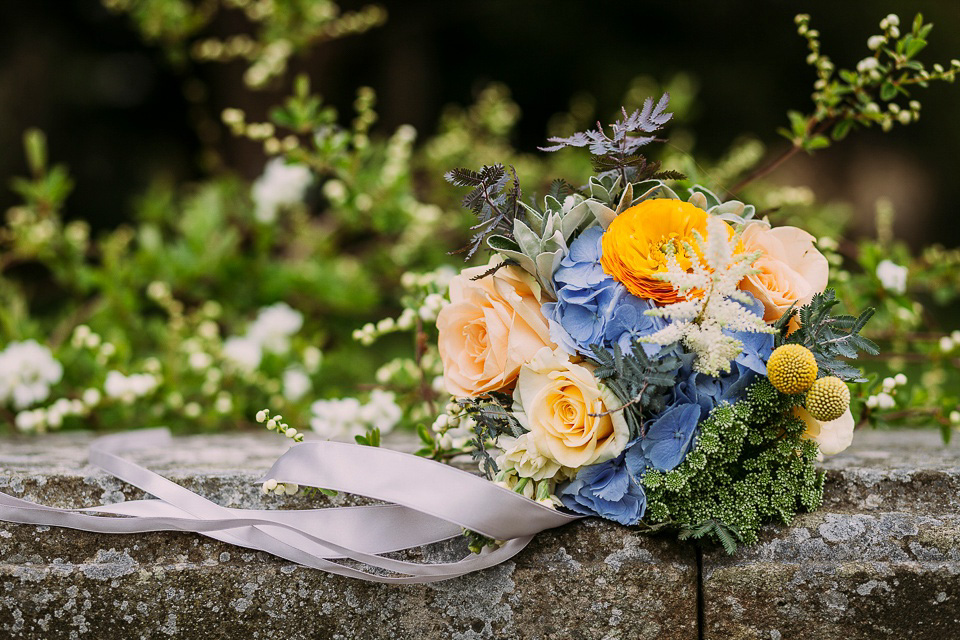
(431,502)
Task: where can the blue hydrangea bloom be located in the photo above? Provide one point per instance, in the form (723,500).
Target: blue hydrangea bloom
(757,347)
(637,461)
(607,490)
(670,437)
(592,307)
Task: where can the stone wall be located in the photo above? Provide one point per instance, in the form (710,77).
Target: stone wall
(880,560)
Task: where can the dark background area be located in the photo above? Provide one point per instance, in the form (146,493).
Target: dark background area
(118,114)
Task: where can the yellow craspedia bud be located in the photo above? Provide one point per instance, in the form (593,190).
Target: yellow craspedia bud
(792,369)
(828,399)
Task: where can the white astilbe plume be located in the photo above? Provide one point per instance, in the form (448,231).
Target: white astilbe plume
(703,324)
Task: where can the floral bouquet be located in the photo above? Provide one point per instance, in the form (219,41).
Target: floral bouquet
(661,362)
(656,360)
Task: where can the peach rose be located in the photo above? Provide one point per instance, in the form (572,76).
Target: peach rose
(554,399)
(791,268)
(832,437)
(490,328)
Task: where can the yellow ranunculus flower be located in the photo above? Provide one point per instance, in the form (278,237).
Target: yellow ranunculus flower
(638,241)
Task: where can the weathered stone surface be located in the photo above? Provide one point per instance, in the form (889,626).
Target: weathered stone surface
(589,580)
(880,560)
(909,471)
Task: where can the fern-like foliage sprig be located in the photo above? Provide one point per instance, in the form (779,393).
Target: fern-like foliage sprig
(639,382)
(492,417)
(617,153)
(495,199)
(727,536)
(832,339)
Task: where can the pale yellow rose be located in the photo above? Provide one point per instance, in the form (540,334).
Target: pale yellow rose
(833,436)
(490,328)
(791,268)
(554,399)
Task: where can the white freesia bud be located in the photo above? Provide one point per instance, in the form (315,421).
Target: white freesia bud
(875,42)
(261,416)
(900,379)
(955,417)
(889,384)
(946,344)
(893,20)
(886,401)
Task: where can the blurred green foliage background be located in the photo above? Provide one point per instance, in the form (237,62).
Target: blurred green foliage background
(149,238)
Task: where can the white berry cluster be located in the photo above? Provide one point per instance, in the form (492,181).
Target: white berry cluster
(885,399)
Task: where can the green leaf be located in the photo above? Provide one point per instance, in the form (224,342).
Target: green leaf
(424,434)
(35,146)
(798,123)
(816,142)
(917,22)
(915,46)
(841,130)
(888,91)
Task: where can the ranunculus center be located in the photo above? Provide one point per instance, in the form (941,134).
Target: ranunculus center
(659,250)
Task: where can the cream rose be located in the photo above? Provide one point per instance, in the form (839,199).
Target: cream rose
(522,456)
(832,437)
(490,328)
(554,399)
(791,268)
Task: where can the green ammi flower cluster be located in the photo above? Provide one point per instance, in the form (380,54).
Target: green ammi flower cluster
(751,465)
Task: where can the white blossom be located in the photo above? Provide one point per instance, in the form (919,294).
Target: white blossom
(280,185)
(344,418)
(947,344)
(296,384)
(91,397)
(704,323)
(274,326)
(243,353)
(892,276)
(27,370)
(129,388)
(867,64)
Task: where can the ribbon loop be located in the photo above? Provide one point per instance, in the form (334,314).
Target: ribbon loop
(428,502)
